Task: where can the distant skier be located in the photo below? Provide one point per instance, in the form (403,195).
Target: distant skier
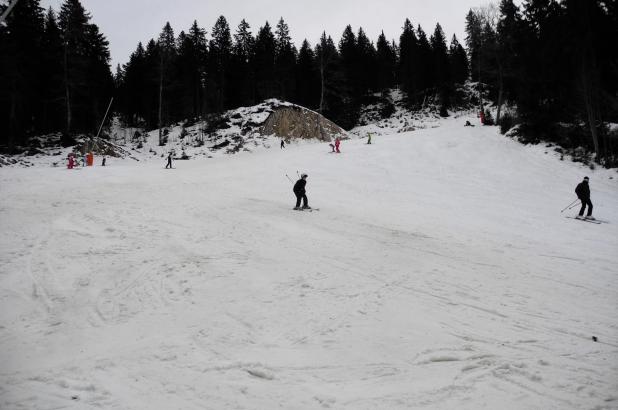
(71,163)
(583,193)
(332,147)
(103,162)
(337,143)
(299,191)
(369,138)
(282,143)
(169,161)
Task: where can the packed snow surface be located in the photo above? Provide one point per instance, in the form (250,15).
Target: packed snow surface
(438,273)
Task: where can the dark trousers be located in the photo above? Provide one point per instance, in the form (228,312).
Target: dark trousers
(169,163)
(304,198)
(585,202)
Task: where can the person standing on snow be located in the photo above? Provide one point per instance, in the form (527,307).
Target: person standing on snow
(282,143)
(169,161)
(337,143)
(369,138)
(299,191)
(583,193)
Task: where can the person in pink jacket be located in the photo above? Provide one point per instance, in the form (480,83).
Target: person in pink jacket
(337,142)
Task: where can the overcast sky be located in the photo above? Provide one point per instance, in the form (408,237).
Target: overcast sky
(126,22)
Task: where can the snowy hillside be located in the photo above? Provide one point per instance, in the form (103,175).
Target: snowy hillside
(244,129)
(438,273)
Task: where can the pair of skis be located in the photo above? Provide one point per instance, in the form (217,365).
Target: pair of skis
(306,209)
(592,221)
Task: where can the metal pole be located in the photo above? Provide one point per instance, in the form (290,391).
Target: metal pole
(106,112)
(7,12)
(571,205)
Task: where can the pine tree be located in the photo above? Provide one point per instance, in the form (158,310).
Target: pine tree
(458,62)
(441,70)
(196,53)
(21,73)
(219,59)
(367,61)
(52,88)
(331,73)
(242,76)
(166,46)
(386,61)
(264,63)
(307,78)
(285,61)
(426,72)
(409,62)
(508,32)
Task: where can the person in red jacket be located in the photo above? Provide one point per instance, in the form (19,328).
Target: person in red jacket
(337,142)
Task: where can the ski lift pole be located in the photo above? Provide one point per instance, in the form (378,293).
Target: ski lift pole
(106,112)
(571,205)
(6,13)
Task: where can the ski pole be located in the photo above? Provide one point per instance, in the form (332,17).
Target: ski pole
(289,178)
(571,205)
(574,206)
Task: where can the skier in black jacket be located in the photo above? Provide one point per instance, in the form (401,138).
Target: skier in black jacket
(583,193)
(299,191)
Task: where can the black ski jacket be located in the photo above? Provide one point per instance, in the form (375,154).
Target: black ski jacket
(583,190)
(299,187)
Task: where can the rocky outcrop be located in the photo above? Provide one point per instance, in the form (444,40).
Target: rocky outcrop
(292,121)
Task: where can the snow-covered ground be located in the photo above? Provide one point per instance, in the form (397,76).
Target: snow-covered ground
(438,273)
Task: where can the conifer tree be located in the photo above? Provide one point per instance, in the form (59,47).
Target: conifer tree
(52,61)
(20,73)
(264,63)
(242,77)
(386,61)
(331,77)
(166,46)
(285,61)
(219,58)
(367,64)
(409,62)
(441,69)
(458,62)
(307,78)
(426,72)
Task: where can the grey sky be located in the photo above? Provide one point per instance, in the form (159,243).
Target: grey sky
(126,22)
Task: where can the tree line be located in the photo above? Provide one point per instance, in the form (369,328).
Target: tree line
(57,75)
(54,72)
(187,76)
(553,63)
(556,62)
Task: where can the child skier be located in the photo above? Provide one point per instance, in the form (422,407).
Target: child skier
(337,143)
(299,191)
(169,161)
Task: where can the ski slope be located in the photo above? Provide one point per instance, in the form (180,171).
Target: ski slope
(439,273)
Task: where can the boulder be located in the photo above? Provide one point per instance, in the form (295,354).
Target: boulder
(292,121)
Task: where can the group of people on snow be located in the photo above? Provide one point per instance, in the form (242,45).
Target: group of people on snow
(73,161)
